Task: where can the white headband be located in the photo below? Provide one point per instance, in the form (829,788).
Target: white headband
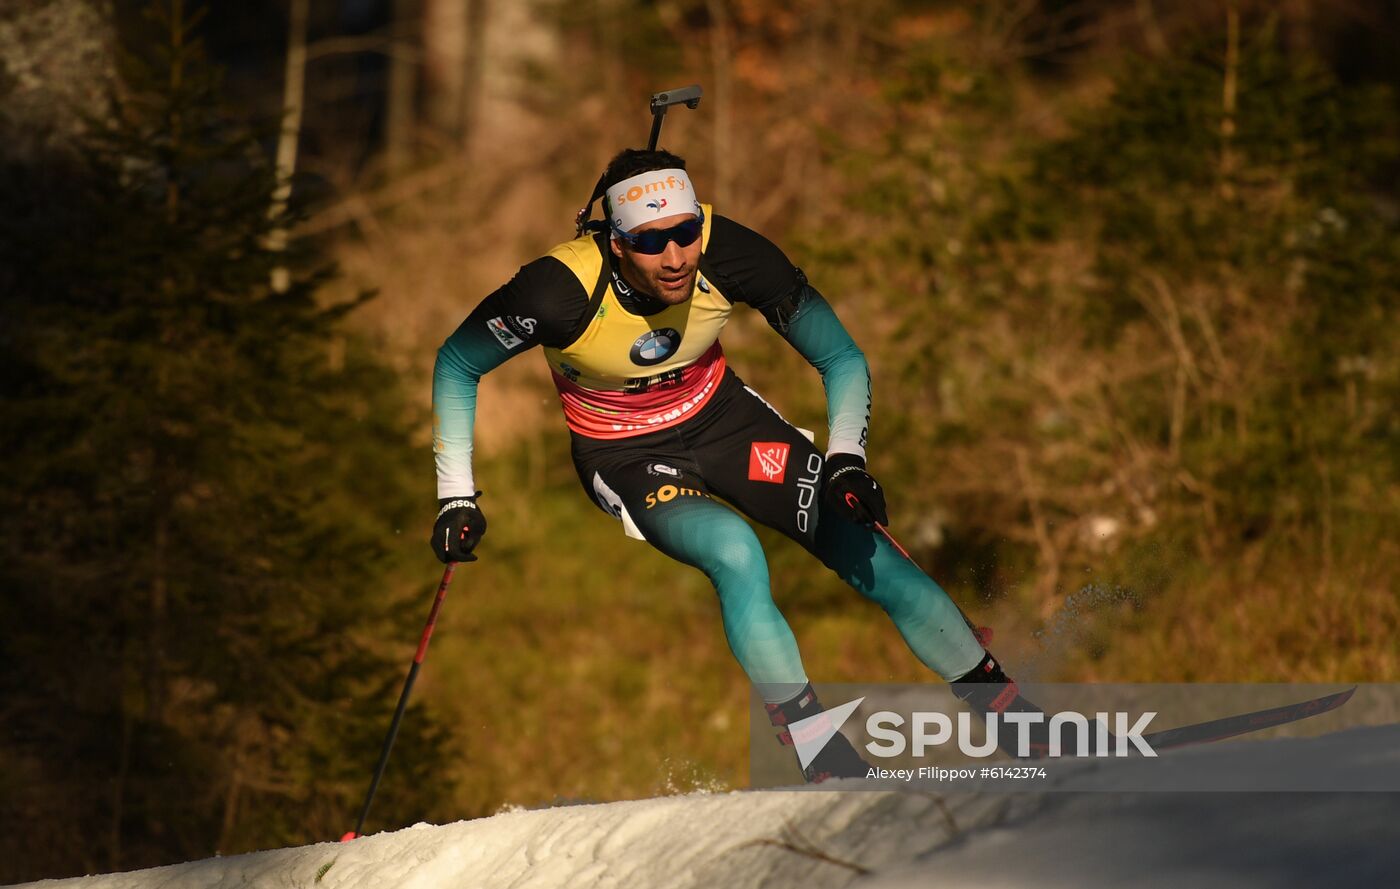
(652,195)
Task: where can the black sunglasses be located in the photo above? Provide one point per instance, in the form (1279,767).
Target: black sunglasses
(654,240)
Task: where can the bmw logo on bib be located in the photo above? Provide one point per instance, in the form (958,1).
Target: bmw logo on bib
(655,346)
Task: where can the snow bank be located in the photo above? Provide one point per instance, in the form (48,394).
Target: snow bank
(872,840)
(695,840)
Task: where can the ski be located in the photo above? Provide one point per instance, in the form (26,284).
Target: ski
(1244,723)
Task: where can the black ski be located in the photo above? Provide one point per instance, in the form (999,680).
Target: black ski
(1244,723)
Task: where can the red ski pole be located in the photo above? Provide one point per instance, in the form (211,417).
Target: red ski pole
(403,701)
(983,634)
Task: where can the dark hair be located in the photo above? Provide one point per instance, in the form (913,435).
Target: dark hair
(631,161)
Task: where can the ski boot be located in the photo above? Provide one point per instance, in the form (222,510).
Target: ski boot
(838,759)
(987,689)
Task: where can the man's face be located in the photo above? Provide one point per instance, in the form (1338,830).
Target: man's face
(669,275)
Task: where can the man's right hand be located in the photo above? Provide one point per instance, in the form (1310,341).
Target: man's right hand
(458,529)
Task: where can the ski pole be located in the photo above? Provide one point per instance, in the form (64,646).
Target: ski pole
(403,701)
(983,634)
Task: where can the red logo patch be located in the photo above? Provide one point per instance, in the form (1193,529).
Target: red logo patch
(768,461)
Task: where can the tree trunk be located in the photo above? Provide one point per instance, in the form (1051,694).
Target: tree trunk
(402,113)
(1228,94)
(445,59)
(473,73)
(722,62)
(293,101)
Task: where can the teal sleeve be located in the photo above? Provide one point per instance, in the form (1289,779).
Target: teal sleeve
(818,335)
(467,355)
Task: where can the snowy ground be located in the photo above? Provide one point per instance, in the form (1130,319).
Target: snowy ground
(876,840)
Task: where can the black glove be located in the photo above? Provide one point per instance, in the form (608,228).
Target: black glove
(458,529)
(850,492)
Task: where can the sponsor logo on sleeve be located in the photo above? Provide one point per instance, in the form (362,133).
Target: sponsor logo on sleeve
(663,469)
(768,461)
(503,333)
(524,328)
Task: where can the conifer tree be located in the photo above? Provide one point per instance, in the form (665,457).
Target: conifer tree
(203,484)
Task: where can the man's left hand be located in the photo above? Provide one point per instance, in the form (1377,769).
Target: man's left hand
(850,491)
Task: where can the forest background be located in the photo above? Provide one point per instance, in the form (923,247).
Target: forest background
(1125,272)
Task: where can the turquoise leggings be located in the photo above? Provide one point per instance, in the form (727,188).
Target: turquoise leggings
(663,485)
(710,536)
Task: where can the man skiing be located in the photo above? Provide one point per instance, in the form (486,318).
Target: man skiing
(629,319)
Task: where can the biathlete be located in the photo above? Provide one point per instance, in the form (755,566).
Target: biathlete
(629,320)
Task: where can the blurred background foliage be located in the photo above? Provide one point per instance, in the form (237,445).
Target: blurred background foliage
(1125,271)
